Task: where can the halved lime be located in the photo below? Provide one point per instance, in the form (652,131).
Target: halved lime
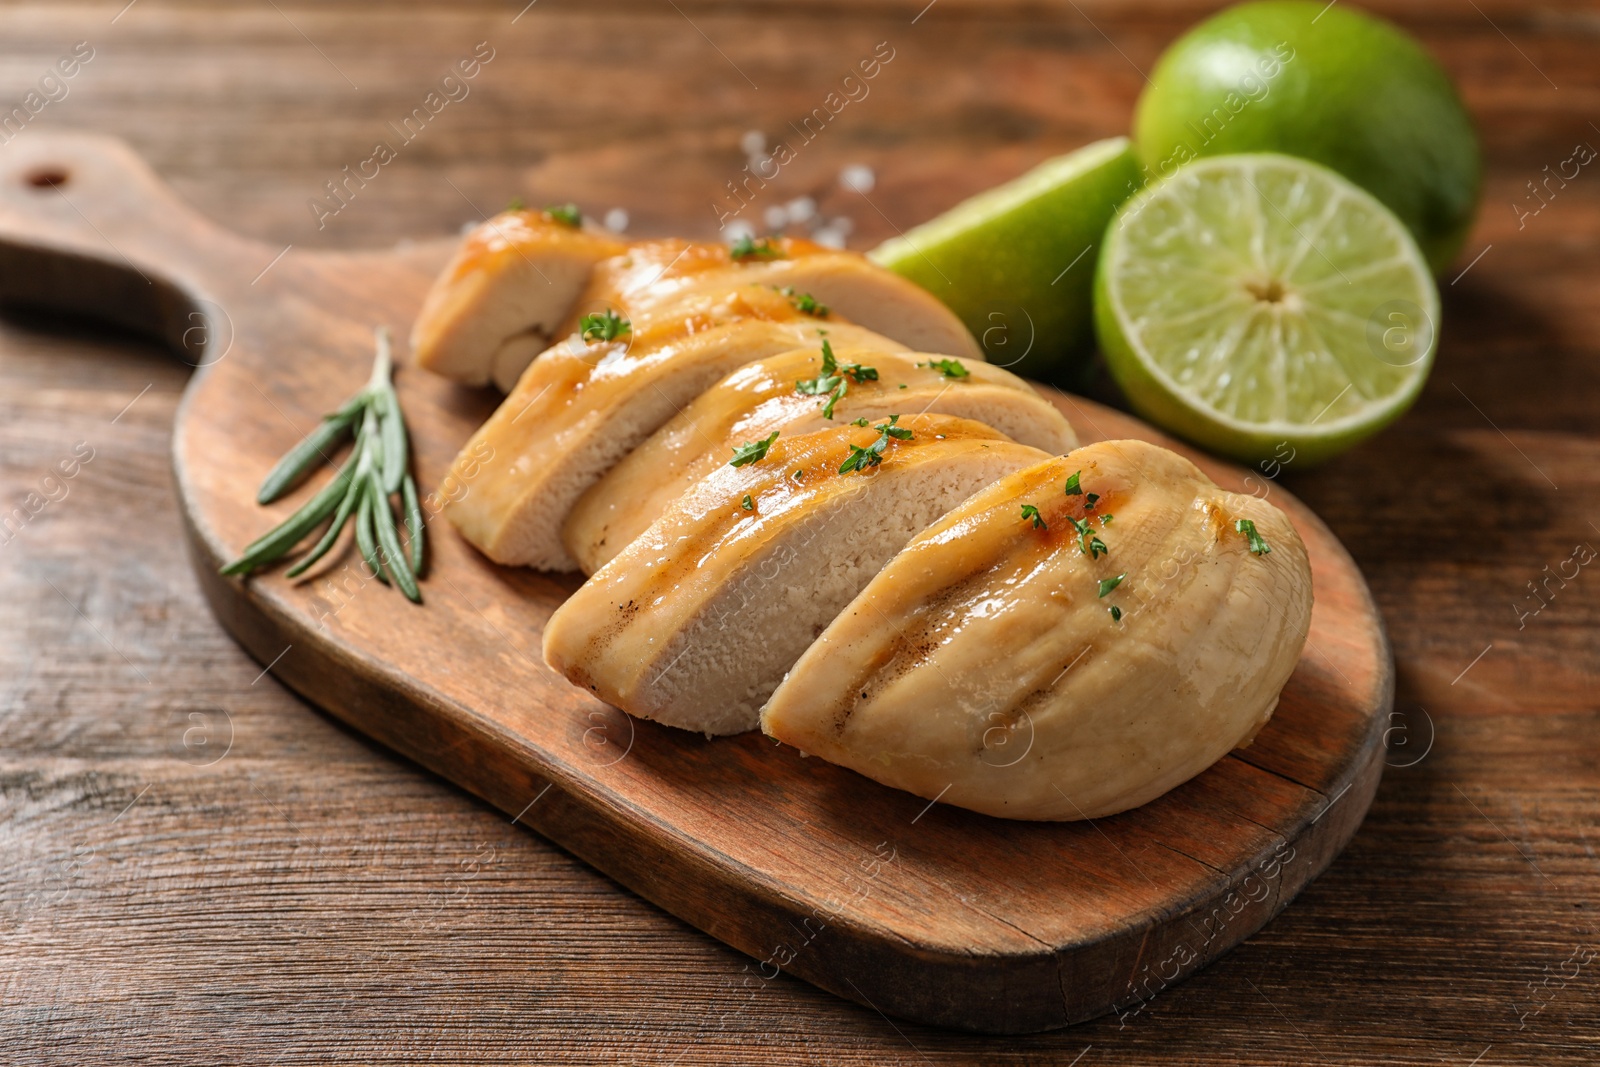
(1016,262)
(1263,306)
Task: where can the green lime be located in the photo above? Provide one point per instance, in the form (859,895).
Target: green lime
(1016,262)
(1327,83)
(1266,308)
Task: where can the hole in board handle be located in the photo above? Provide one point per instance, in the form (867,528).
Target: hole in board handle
(47,177)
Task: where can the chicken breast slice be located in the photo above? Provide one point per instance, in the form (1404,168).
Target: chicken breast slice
(984,665)
(696,621)
(693,314)
(516,279)
(764,396)
(499,301)
(579,409)
(859,291)
(842,286)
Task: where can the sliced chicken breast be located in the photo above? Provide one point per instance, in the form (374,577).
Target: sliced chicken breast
(859,291)
(498,302)
(825,283)
(1065,664)
(696,621)
(677,317)
(516,279)
(577,411)
(781,393)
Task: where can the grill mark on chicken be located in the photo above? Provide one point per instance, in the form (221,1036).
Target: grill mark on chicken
(762,397)
(710,565)
(770,483)
(694,312)
(1115,710)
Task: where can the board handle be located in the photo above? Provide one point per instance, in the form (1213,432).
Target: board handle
(87,228)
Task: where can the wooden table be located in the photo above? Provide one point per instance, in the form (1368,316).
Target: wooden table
(196,866)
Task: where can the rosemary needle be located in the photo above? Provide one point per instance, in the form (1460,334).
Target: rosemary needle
(300,459)
(391,554)
(280,539)
(340,517)
(376,470)
(395,445)
(408,498)
(366,534)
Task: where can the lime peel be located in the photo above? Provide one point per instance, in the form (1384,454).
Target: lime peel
(1016,262)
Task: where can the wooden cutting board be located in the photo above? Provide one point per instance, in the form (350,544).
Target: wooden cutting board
(916,909)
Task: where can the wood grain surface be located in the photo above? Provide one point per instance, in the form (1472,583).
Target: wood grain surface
(966,921)
(295,892)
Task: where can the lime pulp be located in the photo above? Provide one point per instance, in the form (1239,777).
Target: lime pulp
(1262,305)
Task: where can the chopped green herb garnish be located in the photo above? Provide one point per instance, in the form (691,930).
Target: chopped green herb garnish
(889,429)
(854,371)
(902,385)
(1108,584)
(1258,546)
(834,381)
(1091,545)
(862,458)
(1116,613)
(747,503)
(751,451)
(798,475)
(1105,520)
(950,368)
(824,381)
(566,214)
(1031,512)
(748,247)
(862,421)
(804,303)
(606,327)
(516,204)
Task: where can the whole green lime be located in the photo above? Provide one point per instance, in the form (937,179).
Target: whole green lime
(1326,83)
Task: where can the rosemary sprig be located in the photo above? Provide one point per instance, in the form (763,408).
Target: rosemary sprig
(375,471)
